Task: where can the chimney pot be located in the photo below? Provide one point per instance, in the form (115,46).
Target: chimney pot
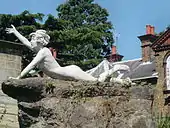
(150,29)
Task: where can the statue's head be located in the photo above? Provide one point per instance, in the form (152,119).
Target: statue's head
(40,36)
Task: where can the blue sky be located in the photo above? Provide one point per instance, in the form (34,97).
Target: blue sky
(129,18)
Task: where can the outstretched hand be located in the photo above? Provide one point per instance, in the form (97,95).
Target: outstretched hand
(11,30)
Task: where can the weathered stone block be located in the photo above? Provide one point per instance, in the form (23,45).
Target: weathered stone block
(8,116)
(10,65)
(2,64)
(48,103)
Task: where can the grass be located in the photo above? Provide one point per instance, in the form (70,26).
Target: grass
(163,122)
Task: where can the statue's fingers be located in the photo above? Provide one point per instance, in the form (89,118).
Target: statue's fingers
(12,26)
(7,31)
(6,28)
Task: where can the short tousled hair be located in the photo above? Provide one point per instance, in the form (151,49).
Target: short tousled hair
(44,34)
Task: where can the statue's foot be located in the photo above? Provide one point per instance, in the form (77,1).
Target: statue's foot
(103,76)
(117,80)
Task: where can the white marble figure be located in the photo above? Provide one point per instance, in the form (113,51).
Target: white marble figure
(46,62)
(106,69)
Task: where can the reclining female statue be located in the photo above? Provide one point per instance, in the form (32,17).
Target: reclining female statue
(46,62)
(44,59)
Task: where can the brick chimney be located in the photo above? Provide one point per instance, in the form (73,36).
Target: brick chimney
(150,30)
(146,41)
(114,56)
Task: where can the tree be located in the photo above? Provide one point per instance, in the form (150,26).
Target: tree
(25,23)
(83,31)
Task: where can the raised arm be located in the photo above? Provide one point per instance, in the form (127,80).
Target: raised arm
(19,36)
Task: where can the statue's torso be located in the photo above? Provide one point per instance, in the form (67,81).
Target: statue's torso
(48,63)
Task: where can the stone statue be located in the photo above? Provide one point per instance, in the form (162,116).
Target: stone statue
(46,62)
(115,72)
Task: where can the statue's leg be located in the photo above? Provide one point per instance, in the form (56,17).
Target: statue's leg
(103,76)
(75,72)
(106,74)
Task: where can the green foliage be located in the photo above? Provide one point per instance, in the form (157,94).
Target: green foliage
(24,22)
(49,87)
(87,33)
(163,122)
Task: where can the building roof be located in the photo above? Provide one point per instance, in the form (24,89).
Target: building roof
(139,70)
(148,37)
(161,42)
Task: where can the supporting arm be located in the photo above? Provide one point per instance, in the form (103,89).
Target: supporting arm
(39,57)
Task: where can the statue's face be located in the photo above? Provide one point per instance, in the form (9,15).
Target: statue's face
(36,40)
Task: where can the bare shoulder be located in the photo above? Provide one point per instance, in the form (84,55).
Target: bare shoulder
(45,51)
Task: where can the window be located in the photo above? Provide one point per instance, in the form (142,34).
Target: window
(168,73)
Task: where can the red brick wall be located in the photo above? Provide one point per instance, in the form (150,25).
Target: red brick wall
(147,52)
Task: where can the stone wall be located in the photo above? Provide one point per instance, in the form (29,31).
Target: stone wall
(49,103)
(10,65)
(159,99)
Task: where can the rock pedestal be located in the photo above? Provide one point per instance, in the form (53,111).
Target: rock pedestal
(48,103)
